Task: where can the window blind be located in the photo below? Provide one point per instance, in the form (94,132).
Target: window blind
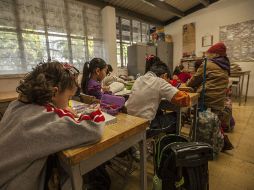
(41,30)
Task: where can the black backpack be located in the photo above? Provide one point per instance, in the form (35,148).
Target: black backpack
(98,179)
(180,164)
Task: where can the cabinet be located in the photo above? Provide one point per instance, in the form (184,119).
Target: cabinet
(138,52)
(165,53)
(136,58)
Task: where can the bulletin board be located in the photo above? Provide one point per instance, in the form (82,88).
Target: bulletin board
(239,40)
(189,39)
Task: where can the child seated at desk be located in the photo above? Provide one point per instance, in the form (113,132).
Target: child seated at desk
(147,93)
(39,124)
(150,61)
(93,74)
(217,77)
(180,74)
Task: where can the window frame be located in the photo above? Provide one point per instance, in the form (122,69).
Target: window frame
(120,40)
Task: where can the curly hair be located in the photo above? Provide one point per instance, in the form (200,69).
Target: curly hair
(38,85)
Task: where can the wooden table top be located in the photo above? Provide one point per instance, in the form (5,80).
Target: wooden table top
(125,126)
(8,96)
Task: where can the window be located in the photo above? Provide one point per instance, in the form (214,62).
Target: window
(129,31)
(41,30)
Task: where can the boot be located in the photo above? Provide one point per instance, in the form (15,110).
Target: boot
(227,144)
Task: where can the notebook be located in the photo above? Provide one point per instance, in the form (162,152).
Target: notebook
(81,107)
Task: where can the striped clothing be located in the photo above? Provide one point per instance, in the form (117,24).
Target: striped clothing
(29,133)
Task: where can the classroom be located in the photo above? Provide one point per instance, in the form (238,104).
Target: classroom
(126,94)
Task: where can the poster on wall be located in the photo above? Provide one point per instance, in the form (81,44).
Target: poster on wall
(239,39)
(189,39)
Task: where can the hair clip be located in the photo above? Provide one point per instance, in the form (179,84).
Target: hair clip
(149,57)
(71,69)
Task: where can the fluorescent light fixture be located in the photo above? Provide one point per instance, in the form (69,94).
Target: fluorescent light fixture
(148,3)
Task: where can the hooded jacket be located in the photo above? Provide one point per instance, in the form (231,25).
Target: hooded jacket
(217,76)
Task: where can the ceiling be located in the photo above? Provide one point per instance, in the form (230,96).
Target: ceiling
(159,12)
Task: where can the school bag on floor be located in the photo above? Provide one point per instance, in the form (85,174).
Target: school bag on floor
(208,128)
(209,131)
(228,122)
(181,164)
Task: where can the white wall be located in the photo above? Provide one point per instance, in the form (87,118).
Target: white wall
(208,21)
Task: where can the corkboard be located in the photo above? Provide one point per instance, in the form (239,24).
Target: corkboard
(239,39)
(189,39)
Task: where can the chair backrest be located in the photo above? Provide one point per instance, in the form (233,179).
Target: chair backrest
(186,89)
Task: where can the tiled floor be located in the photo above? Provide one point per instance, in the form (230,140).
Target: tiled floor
(233,170)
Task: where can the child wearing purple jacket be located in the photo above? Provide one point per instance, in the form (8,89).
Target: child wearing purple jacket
(93,73)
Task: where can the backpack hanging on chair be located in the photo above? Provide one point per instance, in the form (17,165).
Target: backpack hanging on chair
(208,129)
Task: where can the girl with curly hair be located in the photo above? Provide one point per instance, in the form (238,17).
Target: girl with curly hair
(39,124)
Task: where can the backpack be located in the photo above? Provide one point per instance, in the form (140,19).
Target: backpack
(179,163)
(209,131)
(111,104)
(98,179)
(227,122)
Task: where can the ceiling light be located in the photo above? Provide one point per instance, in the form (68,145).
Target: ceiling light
(148,3)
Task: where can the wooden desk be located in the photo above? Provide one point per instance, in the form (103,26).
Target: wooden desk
(8,96)
(5,99)
(240,75)
(185,88)
(193,103)
(128,131)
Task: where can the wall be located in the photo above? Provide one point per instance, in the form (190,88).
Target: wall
(208,21)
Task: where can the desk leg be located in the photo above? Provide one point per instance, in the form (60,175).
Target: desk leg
(247,88)
(195,123)
(143,177)
(241,90)
(178,121)
(76,178)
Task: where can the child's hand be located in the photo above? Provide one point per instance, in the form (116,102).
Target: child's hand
(105,88)
(94,106)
